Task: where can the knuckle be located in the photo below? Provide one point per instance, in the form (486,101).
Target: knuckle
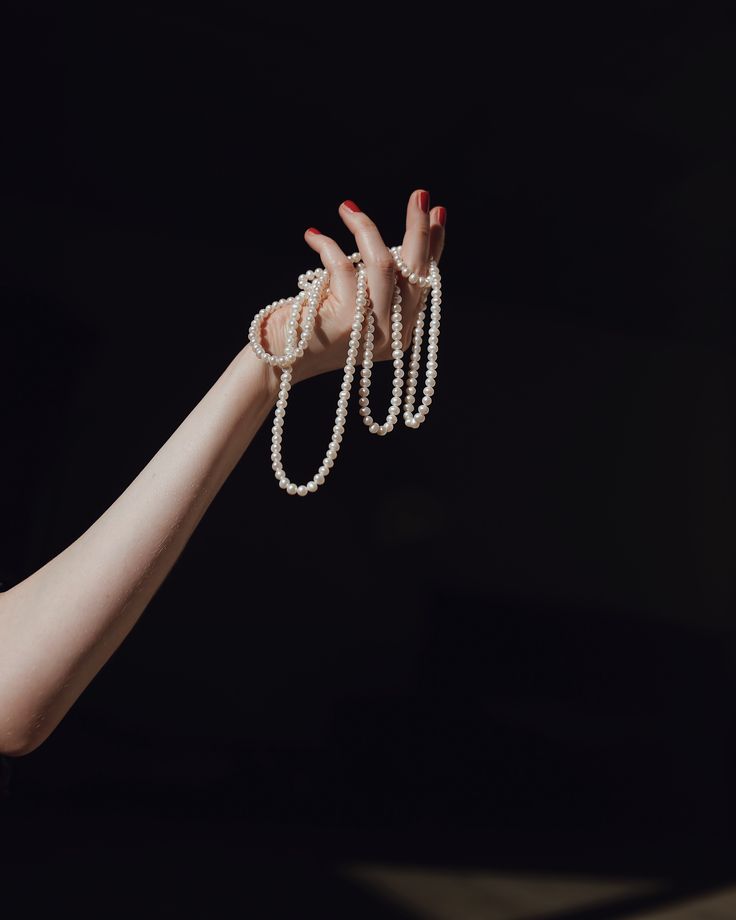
(342,264)
(336,258)
(384,263)
(365,225)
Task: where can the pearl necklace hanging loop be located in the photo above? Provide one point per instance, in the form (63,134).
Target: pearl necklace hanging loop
(314,285)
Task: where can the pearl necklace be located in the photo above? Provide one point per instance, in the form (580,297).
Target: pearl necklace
(314,288)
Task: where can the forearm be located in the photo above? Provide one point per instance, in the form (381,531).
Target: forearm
(62,623)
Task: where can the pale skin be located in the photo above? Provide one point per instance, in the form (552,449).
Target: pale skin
(60,625)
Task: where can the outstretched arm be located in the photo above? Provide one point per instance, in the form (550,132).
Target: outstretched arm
(60,625)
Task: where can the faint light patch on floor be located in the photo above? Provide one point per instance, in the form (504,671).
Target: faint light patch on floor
(432,894)
(720,905)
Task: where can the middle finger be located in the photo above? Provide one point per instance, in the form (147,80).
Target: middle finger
(379,263)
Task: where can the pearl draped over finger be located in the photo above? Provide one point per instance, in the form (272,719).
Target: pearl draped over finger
(314,286)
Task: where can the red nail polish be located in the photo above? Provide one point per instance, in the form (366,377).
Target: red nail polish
(442,215)
(351,206)
(424,201)
(314,230)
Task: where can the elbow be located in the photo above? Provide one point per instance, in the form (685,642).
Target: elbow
(19,737)
(23,725)
(18,744)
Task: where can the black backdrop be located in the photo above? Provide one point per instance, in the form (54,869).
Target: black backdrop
(511,632)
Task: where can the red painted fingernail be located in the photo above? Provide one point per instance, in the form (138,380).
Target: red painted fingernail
(424,201)
(442,215)
(313,230)
(351,206)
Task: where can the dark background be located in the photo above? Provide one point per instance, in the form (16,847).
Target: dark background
(506,639)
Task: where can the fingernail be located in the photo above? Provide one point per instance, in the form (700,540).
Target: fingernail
(314,230)
(351,206)
(424,201)
(442,215)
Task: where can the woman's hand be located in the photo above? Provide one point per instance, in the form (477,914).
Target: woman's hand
(327,349)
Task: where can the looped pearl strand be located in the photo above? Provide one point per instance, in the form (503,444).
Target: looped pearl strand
(313,295)
(411,419)
(314,288)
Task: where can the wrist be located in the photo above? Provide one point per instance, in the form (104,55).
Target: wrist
(273,339)
(267,378)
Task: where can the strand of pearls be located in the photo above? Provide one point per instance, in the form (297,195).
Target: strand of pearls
(411,419)
(314,286)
